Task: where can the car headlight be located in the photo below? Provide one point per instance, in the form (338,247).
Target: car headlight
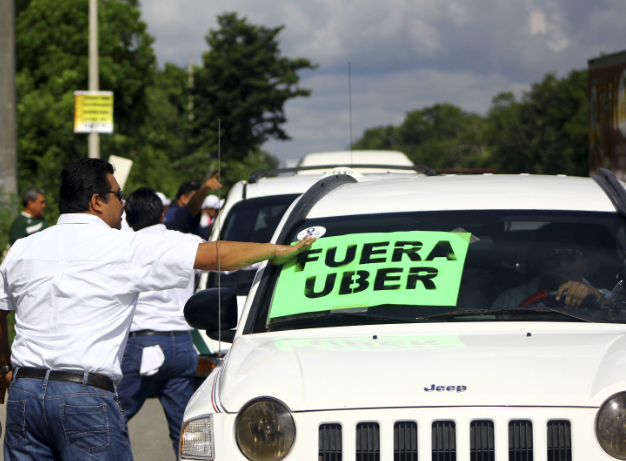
(196,440)
(265,430)
(611,426)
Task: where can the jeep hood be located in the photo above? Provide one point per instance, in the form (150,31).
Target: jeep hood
(384,366)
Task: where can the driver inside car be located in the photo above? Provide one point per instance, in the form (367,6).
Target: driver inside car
(562,264)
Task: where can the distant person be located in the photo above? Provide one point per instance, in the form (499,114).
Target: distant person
(30,220)
(184,212)
(160,358)
(210,207)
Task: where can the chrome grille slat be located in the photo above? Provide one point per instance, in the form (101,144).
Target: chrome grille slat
(482,445)
(367,442)
(405,441)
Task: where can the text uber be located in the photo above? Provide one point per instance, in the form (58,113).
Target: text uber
(385,278)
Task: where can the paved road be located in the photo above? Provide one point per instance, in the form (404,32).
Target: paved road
(148,433)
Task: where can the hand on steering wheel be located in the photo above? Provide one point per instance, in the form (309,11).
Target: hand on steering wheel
(590,301)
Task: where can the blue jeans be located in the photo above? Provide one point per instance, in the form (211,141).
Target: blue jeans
(55,420)
(172,384)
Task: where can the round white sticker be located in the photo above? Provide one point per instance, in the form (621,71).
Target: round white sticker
(316,231)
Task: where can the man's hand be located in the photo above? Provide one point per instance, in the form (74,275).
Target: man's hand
(577,292)
(284,253)
(213,183)
(5,382)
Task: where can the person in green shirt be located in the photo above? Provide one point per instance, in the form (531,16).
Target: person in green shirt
(30,220)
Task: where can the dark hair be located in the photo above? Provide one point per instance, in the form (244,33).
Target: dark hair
(187,188)
(143,208)
(80,180)
(31,194)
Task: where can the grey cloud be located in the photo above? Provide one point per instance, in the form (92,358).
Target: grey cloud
(404,54)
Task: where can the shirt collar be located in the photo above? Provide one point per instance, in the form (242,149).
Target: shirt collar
(156,229)
(26,215)
(81,218)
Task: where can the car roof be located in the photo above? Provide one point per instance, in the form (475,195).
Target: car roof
(373,157)
(473,192)
(364,161)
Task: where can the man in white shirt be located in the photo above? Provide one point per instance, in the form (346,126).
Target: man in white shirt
(73,288)
(160,357)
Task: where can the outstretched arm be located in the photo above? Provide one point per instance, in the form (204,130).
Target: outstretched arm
(228,256)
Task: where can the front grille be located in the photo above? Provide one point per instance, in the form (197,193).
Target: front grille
(367,442)
(559,441)
(405,441)
(520,441)
(329,442)
(444,441)
(482,446)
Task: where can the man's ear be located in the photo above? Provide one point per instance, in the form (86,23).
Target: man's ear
(95,204)
(162,216)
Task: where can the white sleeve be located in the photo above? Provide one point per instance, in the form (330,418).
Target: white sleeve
(6,300)
(161,263)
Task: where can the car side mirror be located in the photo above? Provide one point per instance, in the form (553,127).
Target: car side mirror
(206,308)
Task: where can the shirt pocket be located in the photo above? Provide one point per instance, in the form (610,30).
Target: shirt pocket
(86,427)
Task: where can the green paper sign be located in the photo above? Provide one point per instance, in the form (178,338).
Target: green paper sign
(354,271)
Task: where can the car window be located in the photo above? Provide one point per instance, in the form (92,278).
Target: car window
(255,220)
(450,266)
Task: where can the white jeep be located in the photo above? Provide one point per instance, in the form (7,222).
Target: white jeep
(469,318)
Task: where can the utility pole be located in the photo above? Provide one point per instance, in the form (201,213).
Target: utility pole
(8,101)
(94,80)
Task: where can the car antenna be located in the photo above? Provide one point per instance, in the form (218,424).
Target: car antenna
(350,108)
(219,233)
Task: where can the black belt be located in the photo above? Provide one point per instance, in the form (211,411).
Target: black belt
(153,332)
(70,376)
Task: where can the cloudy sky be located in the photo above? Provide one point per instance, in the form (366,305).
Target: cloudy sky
(403,54)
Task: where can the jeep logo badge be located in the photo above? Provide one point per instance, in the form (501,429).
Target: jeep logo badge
(445,388)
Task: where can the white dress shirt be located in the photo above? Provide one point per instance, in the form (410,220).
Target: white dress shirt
(163,310)
(74,287)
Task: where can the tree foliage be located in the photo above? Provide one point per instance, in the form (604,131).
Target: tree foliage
(545,132)
(243,84)
(440,136)
(52,63)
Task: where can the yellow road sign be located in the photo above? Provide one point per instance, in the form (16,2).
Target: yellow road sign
(93,112)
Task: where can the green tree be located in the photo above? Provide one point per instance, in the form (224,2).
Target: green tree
(440,136)
(52,63)
(546,132)
(243,84)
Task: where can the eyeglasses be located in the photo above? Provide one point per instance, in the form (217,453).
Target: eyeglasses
(570,254)
(118,193)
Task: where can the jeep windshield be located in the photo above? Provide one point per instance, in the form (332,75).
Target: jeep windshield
(493,265)
(252,220)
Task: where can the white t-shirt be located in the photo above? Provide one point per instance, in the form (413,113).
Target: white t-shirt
(74,287)
(163,310)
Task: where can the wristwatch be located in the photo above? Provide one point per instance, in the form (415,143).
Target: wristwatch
(5,369)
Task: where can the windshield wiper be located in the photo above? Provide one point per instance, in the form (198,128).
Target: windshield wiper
(332,318)
(511,310)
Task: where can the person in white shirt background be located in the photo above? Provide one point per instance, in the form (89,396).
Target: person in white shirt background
(210,207)
(74,287)
(160,357)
